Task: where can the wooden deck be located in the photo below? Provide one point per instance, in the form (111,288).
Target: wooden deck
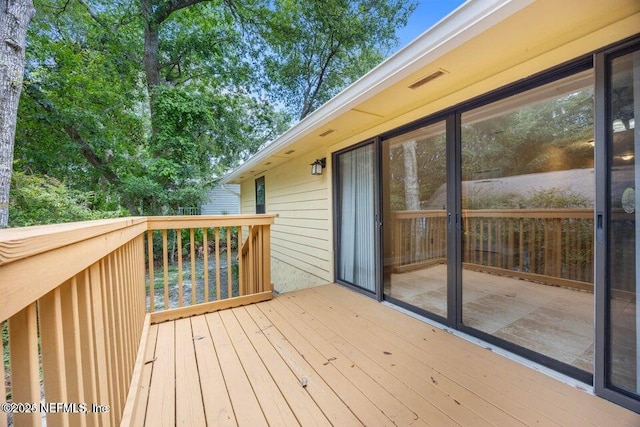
(329,356)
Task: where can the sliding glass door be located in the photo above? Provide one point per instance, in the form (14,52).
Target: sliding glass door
(619,299)
(355,198)
(414,168)
(528,192)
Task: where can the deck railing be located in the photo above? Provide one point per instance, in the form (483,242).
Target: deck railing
(551,246)
(73,303)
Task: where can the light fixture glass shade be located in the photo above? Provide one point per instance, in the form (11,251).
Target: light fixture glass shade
(318,166)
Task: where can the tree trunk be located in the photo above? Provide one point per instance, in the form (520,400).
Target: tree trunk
(15,16)
(411,184)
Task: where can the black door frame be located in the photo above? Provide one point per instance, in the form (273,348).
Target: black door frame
(375,143)
(602,64)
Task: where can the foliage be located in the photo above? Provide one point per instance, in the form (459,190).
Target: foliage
(318,48)
(45,200)
(546,136)
(552,198)
(144,105)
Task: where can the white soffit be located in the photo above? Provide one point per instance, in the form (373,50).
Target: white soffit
(466,22)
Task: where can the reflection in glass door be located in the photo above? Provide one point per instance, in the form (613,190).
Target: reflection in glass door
(414,168)
(528,192)
(356,227)
(623,299)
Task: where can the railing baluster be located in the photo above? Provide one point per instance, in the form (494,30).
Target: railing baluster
(87,340)
(112,336)
(25,368)
(194,281)
(251,260)
(218,284)
(266,252)
(521,245)
(53,353)
(205,255)
(179,244)
(103,355)
(152,282)
(241,280)
(121,323)
(72,345)
(165,263)
(229,269)
(3,391)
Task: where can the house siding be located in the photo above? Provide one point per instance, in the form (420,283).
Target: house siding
(222,200)
(301,249)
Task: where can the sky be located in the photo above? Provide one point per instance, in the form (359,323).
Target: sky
(424,17)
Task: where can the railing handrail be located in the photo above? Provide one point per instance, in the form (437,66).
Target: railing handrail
(199,221)
(23,242)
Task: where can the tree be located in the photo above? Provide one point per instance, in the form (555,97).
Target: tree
(316,49)
(15,16)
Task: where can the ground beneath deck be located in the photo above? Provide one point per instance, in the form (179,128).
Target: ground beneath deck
(329,356)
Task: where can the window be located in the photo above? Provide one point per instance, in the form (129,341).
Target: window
(260,196)
(527,196)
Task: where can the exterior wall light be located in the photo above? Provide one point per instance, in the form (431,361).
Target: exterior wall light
(318,166)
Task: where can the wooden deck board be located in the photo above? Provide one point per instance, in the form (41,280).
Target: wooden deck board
(162,391)
(189,407)
(217,404)
(328,356)
(385,401)
(305,409)
(327,400)
(243,399)
(353,397)
(273,404)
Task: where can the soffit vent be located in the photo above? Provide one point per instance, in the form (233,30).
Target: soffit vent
(327,132)
(423,81)
(290,152)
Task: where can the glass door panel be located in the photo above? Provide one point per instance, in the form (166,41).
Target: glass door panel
(528,191)
(414,175)
(624,234)
(356,242)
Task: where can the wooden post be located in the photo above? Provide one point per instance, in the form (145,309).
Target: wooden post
(267,258)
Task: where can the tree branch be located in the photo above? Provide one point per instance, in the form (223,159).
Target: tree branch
(94,16)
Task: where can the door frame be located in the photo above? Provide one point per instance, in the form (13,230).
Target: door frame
(377,190)
(603,149)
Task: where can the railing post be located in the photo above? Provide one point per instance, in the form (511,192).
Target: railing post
(266,253)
